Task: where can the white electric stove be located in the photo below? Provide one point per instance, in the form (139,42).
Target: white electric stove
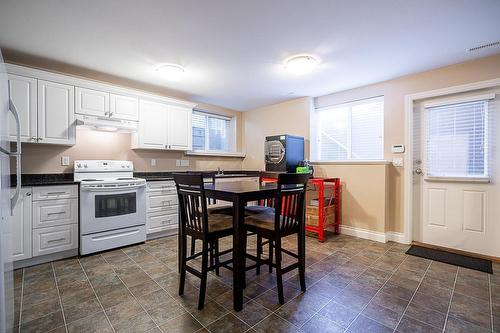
(112,205)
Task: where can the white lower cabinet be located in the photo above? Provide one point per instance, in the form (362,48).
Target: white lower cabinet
(55,239)
(21,226)
(161,207)
(43,223)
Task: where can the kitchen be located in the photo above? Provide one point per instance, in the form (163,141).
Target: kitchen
(100,229)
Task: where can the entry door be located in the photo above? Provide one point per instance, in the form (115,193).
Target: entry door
(456,191)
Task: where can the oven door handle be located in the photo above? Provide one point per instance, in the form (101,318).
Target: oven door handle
(111,188)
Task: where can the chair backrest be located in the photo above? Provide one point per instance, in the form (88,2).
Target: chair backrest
(192,202)
(290,202)
(268,177)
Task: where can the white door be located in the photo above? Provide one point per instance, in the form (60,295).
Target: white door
(124,107)
(21,226)
(22,92)
(92,102)
(456,191)
(56,113)
(152,125)
(179,128)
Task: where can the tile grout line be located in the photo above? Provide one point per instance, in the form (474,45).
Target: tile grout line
(21,303)
(186,309)
(378,291)
(59,296)
(491,304)
(413,296)
(95,294)
(451,300)
(135,298)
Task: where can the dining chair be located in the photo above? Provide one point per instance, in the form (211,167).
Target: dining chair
(198,224)
(284,219)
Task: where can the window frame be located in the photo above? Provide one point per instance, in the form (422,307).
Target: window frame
(314,130)
(231,134)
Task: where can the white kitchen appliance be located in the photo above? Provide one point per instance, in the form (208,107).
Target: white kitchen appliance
(112,205)
(7,202)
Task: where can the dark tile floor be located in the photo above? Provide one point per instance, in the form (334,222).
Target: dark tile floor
(354,285)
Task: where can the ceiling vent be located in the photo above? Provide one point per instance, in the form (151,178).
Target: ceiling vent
(484,46)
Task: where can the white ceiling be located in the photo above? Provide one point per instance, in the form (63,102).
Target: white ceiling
(233,49)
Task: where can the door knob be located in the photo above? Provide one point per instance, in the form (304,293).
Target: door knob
(418,171)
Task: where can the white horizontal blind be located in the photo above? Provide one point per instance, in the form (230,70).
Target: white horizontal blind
(210,132)
(353,131)
(457,140)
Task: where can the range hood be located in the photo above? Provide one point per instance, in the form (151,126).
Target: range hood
(106,124)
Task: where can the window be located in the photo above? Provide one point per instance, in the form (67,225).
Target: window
(457,140)
(352,131)
(212,132)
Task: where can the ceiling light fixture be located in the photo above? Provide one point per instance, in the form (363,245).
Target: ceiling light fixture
(171,72)
(301,64)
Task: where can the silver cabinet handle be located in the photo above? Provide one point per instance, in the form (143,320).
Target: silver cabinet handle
(33,138)
(56,213)
(39,139)
(55,193)
(28,194)
(55,240)
(17,155)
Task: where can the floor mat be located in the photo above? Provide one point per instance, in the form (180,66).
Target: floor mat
(477,264)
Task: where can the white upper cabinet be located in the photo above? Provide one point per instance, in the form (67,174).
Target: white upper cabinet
(92,102)
(22,92)
(124,107)
(163,126)
(179,128)
(152,132)
(56,113)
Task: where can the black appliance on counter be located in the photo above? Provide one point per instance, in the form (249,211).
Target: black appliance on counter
(283,152)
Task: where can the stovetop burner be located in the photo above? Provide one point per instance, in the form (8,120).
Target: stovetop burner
(92,180)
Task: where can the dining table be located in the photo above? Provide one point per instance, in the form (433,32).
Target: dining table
(240,193)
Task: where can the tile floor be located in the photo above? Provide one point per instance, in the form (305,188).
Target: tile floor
(354,285)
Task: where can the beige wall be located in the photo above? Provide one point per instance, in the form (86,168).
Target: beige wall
(293,117)
(38,158)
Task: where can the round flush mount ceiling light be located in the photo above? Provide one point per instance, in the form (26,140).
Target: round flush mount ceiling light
(171,72)
(301,63)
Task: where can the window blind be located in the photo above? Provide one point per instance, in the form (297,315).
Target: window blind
(210,132)
(353,131)
(457,140)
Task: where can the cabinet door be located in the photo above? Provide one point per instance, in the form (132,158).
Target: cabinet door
(157,222)
(124,107)
(22,92)
(92,102)
(152,131)
(21,226)
(179,128)
(56,113)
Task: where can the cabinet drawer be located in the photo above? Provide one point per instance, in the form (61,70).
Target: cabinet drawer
(164,186)
(55,239)
(55,192)
(160,221)
(49,213)
(161,202)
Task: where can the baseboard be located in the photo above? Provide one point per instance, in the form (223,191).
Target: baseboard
(169,232)
(382,237)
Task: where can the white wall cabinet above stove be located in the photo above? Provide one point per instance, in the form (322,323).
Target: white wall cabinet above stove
(163,126)
(104,104)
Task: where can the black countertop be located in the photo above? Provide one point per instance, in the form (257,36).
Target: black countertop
(67,178)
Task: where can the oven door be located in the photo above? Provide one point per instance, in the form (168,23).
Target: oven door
(103,209)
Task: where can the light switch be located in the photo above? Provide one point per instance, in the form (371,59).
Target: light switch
(397,161)
(178,162)
(153,162)
(64,160)
(185,163)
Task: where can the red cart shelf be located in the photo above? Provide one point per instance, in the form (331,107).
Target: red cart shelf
(322,184)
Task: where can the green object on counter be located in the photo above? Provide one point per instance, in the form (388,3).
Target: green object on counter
(302,169)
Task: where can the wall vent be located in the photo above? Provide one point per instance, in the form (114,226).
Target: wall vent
(484,46)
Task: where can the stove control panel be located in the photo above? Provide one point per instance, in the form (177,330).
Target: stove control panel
(102,166)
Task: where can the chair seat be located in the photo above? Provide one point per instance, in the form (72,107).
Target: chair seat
(220,208)
(264,219)
(255,210)
(219,222)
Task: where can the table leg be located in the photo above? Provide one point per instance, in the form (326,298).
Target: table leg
(238,254)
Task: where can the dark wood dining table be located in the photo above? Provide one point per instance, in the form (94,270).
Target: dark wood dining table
(239,193)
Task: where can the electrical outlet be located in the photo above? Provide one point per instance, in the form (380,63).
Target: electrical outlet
(153,162)
(185,163)
(397,161)
(178,163)
(65,160)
